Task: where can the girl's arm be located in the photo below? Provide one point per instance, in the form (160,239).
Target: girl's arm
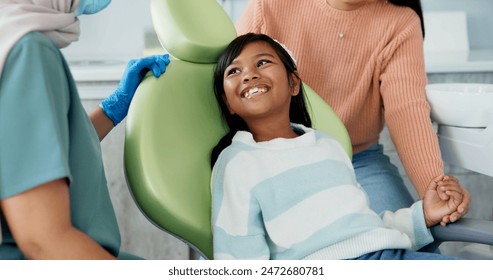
(237,226)
(439,205)
(411,222)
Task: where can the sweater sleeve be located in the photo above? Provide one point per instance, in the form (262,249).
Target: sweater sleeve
(411,222)
(237,225)
(407,112)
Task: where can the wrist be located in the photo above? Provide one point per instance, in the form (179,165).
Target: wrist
(115,107)
(105,108)
(429,221)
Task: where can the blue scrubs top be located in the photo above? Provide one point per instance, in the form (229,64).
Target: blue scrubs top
(45,134)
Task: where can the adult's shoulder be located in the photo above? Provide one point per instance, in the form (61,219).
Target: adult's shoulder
(35,41)
(36,50)
(401,14)
(35,60)
(37,37)
(400,21)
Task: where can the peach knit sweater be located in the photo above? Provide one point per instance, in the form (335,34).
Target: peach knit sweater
(373,75)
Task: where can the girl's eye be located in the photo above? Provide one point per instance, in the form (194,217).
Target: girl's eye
(232,71)
(263,62)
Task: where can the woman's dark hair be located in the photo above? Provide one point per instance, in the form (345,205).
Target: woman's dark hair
(416,6)
(298,112)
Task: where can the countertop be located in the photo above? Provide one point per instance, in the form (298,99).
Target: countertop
(97,70)
(96,79)
(475,60)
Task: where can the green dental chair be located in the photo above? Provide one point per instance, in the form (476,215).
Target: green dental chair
(174,122)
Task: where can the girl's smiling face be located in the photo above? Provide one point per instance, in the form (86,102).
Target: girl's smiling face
(256,84)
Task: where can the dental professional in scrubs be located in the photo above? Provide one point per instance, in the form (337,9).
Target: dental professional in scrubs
(54,199)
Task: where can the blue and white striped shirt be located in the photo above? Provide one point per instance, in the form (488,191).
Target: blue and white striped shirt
(299,198)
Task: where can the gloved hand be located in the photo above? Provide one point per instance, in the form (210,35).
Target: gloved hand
(116,105)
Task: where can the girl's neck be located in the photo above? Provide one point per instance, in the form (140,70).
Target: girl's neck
(265,132)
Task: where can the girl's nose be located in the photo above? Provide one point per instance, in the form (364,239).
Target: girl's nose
(250,74)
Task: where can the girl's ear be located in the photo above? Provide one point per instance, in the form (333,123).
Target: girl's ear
(227,105)
(295,83)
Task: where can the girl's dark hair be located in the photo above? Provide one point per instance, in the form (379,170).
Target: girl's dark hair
(298,112)
(416,6)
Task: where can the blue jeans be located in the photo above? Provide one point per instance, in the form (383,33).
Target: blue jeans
(400,254)
(381,180)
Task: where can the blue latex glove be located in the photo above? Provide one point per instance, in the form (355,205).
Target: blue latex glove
(116,105)
(89,7)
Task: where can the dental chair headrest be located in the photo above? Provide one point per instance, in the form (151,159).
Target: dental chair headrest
(191,30)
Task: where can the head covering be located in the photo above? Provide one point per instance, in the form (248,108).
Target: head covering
(54,18)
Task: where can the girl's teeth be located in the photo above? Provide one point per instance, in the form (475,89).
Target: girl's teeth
(252,92)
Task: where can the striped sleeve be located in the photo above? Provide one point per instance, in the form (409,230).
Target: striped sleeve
(237,225)
(411,222)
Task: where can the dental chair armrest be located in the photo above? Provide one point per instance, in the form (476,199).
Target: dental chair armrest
(464,230)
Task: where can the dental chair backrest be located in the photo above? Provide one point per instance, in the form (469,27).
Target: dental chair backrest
(174,122)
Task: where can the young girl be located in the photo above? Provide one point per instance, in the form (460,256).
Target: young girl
(282,190)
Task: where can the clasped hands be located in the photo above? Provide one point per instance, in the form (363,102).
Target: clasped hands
(445,201)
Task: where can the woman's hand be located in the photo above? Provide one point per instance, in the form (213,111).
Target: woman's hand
(117,104)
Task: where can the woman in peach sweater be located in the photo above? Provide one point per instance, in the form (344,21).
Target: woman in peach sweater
(365,58)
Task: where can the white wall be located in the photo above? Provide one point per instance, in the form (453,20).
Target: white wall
(234,8)
(479,19)
(117,32)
